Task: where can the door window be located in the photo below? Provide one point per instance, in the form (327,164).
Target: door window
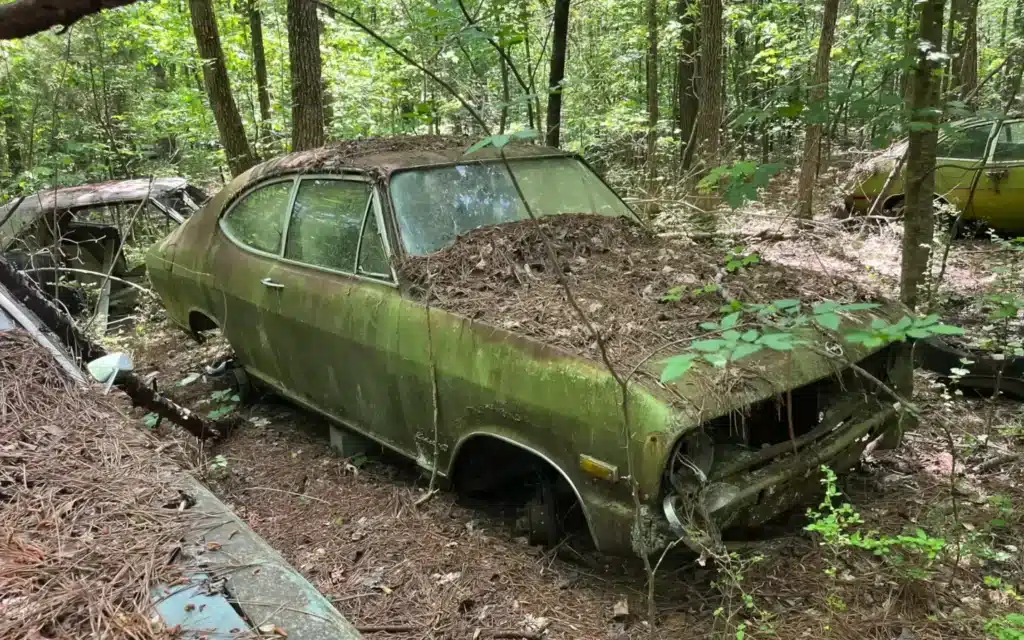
(258,218)
(326,221)
(967,144)
(1010,143)
(372,258)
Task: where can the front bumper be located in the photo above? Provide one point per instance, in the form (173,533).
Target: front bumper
(749,493)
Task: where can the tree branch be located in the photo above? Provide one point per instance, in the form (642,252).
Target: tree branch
(27,17)
(404,56)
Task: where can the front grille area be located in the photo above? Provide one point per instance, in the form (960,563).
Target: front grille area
(794,413)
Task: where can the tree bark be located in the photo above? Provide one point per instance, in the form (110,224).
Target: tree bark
(558,50)
(686,71)
(12,135)
(818,96)
(218,87)
(710,83)
(259,61)
(306,71)
(918,225)
(27,17)
(652,95)
(967,69)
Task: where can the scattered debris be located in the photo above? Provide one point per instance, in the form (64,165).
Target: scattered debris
(86,533)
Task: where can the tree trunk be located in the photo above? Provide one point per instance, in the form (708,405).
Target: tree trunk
(218,87)
(686,69)
(652,94)
(818,96)
(259,61)
(710,82)
(306,70)
(558,47)
(920,169)
(506,96)
(968,67)
(12,135)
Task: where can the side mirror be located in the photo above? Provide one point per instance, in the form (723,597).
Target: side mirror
(109,367)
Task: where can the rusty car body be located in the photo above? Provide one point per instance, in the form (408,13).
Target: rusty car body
(75,233)
(350,340)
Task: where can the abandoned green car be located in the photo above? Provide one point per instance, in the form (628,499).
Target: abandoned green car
(999,194)
(399,289)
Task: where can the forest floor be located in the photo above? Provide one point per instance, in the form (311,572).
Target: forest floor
(442,569)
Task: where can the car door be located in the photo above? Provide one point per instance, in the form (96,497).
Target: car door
(1003,198)
(959,155)
(333,321)
(249,239)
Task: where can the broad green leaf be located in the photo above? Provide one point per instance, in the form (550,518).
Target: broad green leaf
(708,345)
(745,349)
(786,303)
(729,321)
(710,326)
(731,335)
(927,320)
(676,366)
(946,330)
(828,320)
(777,341)
(825,307)
(480,144)
(879,323)
(918,333)
(904,323)
(750,335)
(717,358)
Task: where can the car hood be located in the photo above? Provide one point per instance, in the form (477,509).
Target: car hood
(707,391)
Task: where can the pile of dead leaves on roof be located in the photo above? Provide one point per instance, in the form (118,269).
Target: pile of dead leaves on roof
(618,272)
(84,531)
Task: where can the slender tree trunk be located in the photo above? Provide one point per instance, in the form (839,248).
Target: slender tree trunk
(652,94)
(306,70)
(218,87)
(968,68)
(506,95)
(920,170)
(818,96)
(558,47)
(710,82)
(686,69)
(259,61)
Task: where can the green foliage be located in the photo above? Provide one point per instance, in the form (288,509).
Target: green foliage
(227,400)
(736,260)
(1008,627)
(913,554)
(151,420)
(739,182)
(500,141)
(883,332)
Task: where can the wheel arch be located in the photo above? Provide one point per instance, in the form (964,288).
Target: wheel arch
(480,436)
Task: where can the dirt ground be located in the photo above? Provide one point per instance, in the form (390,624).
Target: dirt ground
(442,569)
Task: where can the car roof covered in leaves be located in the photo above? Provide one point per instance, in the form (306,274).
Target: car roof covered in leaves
(383,156)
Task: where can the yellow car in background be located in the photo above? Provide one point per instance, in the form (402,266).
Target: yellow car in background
(999,198)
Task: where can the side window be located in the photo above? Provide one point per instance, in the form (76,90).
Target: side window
(257,220)
(1010,143)
(326,221)
(966,144)
(372,259)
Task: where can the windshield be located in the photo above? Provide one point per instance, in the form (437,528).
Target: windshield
(435,206)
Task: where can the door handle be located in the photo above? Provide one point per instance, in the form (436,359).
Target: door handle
(269,282)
